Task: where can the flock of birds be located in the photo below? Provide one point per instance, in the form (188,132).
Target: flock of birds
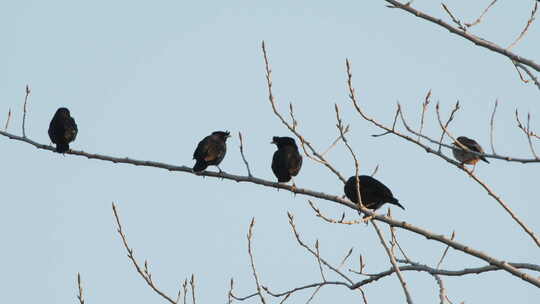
(286,161)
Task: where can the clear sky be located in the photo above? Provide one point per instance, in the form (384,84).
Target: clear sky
(149,79)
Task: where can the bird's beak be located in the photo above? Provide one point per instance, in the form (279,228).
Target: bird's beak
(399,205)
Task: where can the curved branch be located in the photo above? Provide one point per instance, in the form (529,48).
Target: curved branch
(474,39)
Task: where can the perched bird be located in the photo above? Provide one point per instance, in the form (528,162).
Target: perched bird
(211,151)
(373,193)
(62,130)
(286,162)
(466,157)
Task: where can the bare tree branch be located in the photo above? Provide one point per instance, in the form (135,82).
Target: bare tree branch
(250,252)
(144,273)
(474,39)
(394,264)
(529,22)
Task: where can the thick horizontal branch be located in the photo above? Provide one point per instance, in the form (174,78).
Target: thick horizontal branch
(474,39)
(334,198)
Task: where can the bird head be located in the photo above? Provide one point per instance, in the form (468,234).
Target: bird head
(222,134)
(64,112)
(283,141)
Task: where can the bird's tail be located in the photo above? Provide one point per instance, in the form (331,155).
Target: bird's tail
(200,165)
(484,159)
(62,148)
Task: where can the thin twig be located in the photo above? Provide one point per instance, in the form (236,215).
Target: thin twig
(492,126)
(242,153)
(526,69)
(454,19)
(394,263)
(80,296)
(318,255)
(192,284)
(425,104)
(334,143)
(323,261)
(445,128)
(342,220)
(446,250)
(144,273)
(27,92)
(529,22)
(527,131)
(356,164)
(8,120)
(250,252)
(479,19)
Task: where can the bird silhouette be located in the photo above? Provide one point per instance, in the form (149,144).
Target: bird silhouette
(466,157)
(287,161)
(211,151)
(374,194)
(62,130)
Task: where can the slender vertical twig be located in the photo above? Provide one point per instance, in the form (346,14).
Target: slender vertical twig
(492,126)
(424,108)
(250,252)
(80,296)
(394,263)
(8,120)
(242,153)
(25,111)
(446,250)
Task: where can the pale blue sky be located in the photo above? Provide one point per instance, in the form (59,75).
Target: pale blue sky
(148,80)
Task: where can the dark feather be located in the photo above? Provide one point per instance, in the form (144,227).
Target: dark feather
(62,130)
(286,161)
(374,193)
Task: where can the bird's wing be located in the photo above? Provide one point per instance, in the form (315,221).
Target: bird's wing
(472,145)
(70,128)
(275,163)
(201,150)
(51,131)
(294,161)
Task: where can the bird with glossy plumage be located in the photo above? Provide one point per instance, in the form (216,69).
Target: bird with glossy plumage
(466,157)
(62,130)
(374,194)
(210,151)
(286,161)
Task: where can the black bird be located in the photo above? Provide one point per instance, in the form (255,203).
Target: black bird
(211,151)
(467,157)
(62,130)
(374,193)
(286,162)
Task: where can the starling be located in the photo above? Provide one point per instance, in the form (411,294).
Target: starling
(62,130)
(286,162)
(211,151)
(374,193)
(467,157)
